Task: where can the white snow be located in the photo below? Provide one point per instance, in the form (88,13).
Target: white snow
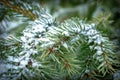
(91,32)
(23,39)
(23,63)
(27,34)
(66,33)
(99,40)
(44,39)
(99,52)
(98,48)
(65,45)
(10,58)
(38,28)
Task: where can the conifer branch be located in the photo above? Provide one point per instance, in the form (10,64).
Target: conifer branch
(68,49)
(18,9)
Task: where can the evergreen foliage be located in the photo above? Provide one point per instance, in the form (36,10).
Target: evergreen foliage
(47,49)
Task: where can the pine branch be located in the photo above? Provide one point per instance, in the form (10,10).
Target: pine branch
(69,50)
(73,47)
(19,9)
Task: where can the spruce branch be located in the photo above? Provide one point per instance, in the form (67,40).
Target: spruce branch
(48,50)
(19,9)
(75,26)
(73,47)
